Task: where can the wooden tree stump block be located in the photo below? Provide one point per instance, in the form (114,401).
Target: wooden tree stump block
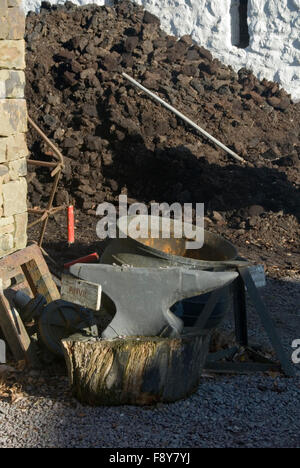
(135,370)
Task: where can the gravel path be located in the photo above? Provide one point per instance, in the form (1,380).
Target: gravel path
(226,411)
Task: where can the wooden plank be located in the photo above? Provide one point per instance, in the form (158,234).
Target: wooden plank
(81,292)
(10,265)
(40,280)
(31,261)
(8,328)
(15,333)
(40,275)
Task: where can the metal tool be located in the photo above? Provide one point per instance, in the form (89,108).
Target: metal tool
(183,117)
(143,296)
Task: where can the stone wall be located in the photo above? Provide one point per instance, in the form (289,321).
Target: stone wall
(13,125)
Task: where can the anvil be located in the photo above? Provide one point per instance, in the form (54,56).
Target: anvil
(143,296)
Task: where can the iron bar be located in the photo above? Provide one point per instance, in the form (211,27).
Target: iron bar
(183,117)
(57,153)
(33,162)
(208,309)
(50,203)
(267,322)
(56,172)
(240,312)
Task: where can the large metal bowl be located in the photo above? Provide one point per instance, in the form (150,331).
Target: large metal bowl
(148,251)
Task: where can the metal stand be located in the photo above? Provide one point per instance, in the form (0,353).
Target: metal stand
(261,363)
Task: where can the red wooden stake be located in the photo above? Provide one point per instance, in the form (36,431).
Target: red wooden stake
(71,224)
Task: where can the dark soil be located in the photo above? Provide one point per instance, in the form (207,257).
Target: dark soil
(117,141)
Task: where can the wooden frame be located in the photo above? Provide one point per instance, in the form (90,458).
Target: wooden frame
(29,272)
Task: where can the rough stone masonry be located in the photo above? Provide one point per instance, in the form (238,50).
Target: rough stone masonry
(13,125)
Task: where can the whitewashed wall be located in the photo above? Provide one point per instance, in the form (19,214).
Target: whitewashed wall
(274,28)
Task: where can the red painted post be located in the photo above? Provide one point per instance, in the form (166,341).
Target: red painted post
(71,225)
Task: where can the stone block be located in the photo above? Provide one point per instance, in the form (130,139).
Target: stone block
(12,54)
(4,26)
(17,168)
(6,221)
(4,179)
(16,22)
(12,84)
(17,147)
(14,197)
(3,149)
(20,234)
(8,229)
(13,147)
(21,242)
(4,175)
(6,244)
(14,3)
(13,116)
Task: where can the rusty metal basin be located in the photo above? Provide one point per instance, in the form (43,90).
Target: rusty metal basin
(149,251)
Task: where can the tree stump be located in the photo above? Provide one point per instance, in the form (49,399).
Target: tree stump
(135,370)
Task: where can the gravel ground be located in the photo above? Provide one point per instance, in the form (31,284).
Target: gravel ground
(226,411)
